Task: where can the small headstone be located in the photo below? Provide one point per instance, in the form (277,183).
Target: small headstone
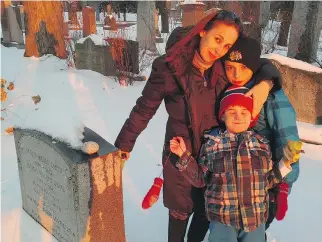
(94,57)
(12,27)
(15,24)
(192,13)
(5,25)
(110,21)
(75,196)
(89,21)
(125,53)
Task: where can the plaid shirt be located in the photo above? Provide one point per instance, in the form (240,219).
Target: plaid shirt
(237,171)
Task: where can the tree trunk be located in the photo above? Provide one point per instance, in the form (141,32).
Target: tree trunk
(305,31)
(251,14)
(44,28)
(73,16)
(308,46)
(146,25)
(124,13)
(286,11)
(164,11)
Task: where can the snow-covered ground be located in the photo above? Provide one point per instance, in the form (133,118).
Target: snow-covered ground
(71,98)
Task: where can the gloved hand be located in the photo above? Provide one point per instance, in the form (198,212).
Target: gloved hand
(153,194)
(281,200)
(292,152)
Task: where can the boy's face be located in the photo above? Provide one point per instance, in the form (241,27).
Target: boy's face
(237,73)
(237,119)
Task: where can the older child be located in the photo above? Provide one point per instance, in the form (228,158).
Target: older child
(277,120)
(236,167)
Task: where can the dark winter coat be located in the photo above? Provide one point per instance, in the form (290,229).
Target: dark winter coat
(190,103)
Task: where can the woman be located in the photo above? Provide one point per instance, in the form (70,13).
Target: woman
(189,78)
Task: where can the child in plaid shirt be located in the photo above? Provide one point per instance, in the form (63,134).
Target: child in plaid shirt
(236,167)
(277,119)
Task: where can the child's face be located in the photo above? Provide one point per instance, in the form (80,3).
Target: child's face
(237,119)
(237,73)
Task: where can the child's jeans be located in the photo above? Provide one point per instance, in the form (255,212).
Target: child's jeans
(222,233)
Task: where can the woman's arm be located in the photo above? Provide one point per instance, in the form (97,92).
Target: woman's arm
(145,108)
(187,164)
(195,173)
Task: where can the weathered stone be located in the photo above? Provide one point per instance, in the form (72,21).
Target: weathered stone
(94,57)
(11,23)
(76,197)
(192,13)
(15,23)
(304,90)
(125,53)
(89,21)
(5,24)
(119,54)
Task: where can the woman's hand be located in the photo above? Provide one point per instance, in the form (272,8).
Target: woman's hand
(125,155)
(259,93)
(177,146)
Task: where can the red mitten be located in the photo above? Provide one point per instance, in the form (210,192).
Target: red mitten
(153,194)
(281,200)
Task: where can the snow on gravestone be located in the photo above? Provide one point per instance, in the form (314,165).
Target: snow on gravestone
(75,196)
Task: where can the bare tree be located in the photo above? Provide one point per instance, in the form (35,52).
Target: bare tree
(44,28)
(286,12)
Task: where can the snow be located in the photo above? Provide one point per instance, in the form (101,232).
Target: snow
(191,2)
(297,64)
(73,98)
(309,132)
(97,39)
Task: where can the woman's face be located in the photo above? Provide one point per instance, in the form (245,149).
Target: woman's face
(217,41)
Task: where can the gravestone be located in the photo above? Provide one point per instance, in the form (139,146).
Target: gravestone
(125,53)
(75,196)
(89,21)
(5,25)
(22,16)
(94,57)
(305,30)
(192,12)
(304,90)
(12,27)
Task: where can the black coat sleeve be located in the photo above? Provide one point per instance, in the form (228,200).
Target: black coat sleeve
(268,71)
(145,108)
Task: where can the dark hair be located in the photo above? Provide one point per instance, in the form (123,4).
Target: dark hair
(180,55)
